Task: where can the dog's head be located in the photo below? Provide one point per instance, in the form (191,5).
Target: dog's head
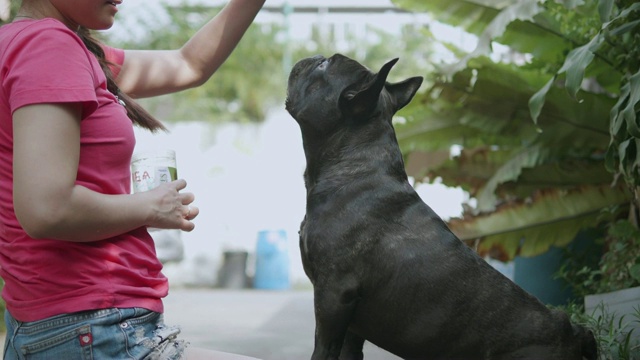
(324,93)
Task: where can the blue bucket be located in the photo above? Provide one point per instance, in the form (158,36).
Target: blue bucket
(272,261)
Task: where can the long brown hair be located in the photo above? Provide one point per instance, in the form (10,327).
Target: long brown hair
(136,113)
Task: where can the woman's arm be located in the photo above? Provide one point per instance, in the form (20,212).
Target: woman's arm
(48,203)
(148,73)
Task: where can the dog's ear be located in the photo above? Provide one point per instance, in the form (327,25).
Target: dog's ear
(365,98)
(404,91)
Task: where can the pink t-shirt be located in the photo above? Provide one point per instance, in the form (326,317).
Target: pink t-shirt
(43,61)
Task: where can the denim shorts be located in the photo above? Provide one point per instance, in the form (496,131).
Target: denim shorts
(133,333)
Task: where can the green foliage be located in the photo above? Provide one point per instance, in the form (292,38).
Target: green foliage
(617,269)
(615,337)
(550,218)
(535,185)
(13,9)
(563,69)
(615,40)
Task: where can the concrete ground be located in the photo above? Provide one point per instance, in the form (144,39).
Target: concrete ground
(271,325)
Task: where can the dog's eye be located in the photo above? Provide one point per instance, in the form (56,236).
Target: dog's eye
(323,64)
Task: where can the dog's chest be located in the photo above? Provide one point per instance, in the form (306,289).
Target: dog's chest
(336,236)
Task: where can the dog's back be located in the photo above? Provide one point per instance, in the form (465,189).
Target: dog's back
(421,290)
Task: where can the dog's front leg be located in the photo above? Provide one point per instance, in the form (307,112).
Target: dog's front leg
(333,310)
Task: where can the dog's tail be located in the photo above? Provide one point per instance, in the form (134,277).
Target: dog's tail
(588,344)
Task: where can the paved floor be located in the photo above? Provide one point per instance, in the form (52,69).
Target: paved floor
(271,325)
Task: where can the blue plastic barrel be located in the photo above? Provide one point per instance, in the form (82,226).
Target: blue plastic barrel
(272,261)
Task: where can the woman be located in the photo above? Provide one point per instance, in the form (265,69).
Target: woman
(81,276)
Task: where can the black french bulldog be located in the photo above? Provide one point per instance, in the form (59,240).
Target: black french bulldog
(384,267)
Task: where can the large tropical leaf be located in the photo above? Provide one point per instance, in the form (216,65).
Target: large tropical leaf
(527,157)
(480,106)
(471,15)
(557,173)
(529,228)
(520,24)
(488,104)
(470,169)
(537,183)
(522,10)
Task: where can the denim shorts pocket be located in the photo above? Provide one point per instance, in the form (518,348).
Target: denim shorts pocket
(147,337)
(68,344)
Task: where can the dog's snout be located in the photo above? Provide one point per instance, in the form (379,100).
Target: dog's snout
(304,64)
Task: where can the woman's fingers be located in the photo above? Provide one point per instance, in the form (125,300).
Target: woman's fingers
(179,184)
(187,198)
(191,212)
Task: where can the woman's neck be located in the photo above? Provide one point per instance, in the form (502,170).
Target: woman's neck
(43,9)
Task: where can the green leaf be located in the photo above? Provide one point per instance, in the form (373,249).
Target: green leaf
(526,158)
(473,16)
(623,14)
(616,120)
(610,158)
(473,167)
(576,63)
(623,150)
(605,8)
(629,111)
(540,38)
(523,10)
(529,228)
(624,28)
(537,100)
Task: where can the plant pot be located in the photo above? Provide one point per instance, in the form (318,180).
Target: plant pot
(535,275)
(617,303)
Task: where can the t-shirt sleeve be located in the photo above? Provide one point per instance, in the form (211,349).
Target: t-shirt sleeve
(115,57)
(50,65)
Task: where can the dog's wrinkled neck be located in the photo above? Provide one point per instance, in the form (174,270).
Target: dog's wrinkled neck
(351,155)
